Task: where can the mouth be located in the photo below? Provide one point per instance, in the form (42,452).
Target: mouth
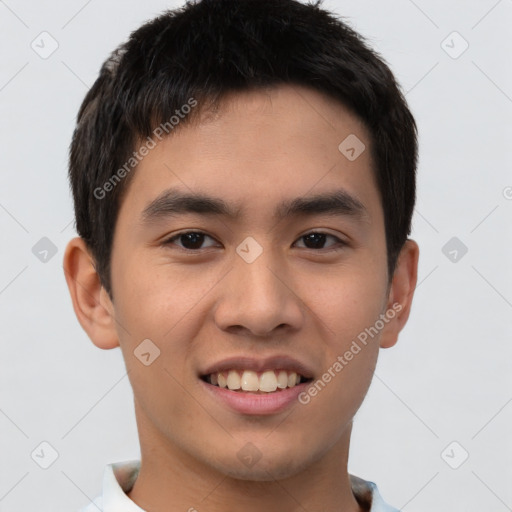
(255,382)
(250,386)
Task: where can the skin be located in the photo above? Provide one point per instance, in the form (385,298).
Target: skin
(310,303)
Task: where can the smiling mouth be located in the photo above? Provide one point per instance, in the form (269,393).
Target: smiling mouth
(249,381)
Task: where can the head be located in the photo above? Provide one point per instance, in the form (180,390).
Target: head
(297,155)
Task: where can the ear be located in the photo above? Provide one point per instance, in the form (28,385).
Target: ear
(401,293)
(91,303)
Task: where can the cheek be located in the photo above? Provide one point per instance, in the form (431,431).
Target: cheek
(162,304)
(345,301)
(347,306)
(348,303)
(157,303)
(155,298)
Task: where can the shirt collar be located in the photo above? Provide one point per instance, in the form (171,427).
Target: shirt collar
(118,479)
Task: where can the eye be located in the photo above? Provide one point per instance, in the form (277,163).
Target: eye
(316,240)
(191,240)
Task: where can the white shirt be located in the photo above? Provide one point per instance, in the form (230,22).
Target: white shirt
(118,479)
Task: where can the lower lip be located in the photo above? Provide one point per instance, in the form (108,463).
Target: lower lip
(246,402)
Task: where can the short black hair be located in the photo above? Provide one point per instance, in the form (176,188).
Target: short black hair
(204,50)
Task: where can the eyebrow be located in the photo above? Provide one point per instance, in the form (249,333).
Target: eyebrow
(173,202)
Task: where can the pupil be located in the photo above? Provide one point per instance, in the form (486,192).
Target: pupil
(196,240)
(318,239)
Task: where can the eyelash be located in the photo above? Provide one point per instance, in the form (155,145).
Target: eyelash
(340,243)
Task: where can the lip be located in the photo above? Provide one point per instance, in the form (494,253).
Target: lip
(278,362)
(255,403)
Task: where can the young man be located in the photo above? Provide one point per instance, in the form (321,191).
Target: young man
(244,179)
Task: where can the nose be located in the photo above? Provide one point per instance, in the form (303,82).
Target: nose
(258,299)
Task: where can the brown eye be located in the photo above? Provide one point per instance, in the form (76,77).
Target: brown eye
(190,240)
(316,240)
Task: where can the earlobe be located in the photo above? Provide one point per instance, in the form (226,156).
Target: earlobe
(92,306)
(401,293)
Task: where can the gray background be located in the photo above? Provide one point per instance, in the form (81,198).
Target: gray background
(447,380)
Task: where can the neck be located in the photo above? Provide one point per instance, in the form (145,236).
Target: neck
(171,480)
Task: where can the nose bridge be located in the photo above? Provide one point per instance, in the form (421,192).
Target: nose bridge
(258,277)
(257,297)
(257,286)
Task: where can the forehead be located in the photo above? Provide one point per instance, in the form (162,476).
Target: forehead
(259,147)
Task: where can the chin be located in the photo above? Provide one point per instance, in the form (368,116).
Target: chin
(265,469)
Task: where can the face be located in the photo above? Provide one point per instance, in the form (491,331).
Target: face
(285,271)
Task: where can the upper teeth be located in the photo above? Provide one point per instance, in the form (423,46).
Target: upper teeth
(249,380)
